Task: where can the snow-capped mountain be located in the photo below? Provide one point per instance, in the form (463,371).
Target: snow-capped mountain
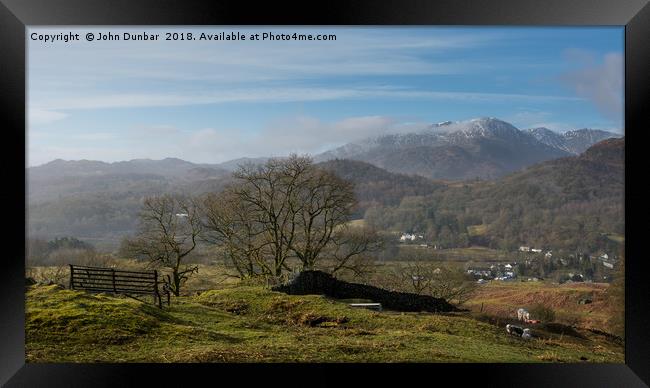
(483,147)
(574,142)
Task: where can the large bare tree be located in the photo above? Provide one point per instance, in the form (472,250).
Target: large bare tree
(168,233)
(267,193)
(285,208)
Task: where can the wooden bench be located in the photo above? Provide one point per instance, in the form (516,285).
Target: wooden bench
(99,279)
(371,306)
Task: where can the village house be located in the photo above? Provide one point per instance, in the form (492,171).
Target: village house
(480,273)
(536,250)
(524,249)
(410,237)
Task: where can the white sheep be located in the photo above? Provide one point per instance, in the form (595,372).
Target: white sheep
(523,315)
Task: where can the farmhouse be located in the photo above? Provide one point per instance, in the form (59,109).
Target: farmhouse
(536,250)
(410,237)
(524,249)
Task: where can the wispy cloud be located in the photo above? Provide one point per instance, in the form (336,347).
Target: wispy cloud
(302,134)
(257,95)
(600,82)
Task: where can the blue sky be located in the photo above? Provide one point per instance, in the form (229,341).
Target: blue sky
(212,101)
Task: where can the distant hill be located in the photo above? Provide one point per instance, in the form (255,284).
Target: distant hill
(574,142)
(234,164)
(483,148)
(567,203)
(377,187)
(71,178)
(98,200)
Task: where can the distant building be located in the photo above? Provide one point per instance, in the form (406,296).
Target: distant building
(536,250)
(608,265)
(548,254)
(524,249)
(410,237)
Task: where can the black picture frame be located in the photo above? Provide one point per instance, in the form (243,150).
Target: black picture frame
(15,15)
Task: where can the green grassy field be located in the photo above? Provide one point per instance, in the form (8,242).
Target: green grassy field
(253,324)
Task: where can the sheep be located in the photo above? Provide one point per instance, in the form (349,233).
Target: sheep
(514,330)
(523,315)
(518,331)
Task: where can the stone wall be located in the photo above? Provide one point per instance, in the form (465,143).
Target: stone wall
(321,283)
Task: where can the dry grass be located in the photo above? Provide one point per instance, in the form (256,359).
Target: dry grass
(504,298)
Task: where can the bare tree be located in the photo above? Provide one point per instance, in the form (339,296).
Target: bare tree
(284,209)
(231,224)
(321,205)
(433,279)
(266,193)
(351,247)
(169,230)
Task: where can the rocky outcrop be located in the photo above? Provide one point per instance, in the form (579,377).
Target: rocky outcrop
(321,283)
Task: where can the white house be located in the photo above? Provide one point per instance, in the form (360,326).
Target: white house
(604,256)
(608,265)
(410,237)
(524,249)
(507,266)
(536,250)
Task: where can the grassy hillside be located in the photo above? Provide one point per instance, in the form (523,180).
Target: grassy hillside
(504,298)
(252,324)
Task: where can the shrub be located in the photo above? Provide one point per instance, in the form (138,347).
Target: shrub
(543,313)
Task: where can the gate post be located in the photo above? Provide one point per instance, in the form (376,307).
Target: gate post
(71,277)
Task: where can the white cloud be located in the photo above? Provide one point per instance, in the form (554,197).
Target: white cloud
(602,83)
(292,94)
(301,134)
